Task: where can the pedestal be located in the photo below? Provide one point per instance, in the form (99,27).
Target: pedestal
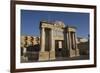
(52,55)
(74,53)
(43,56)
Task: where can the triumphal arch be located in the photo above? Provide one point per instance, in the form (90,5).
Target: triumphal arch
(55,38)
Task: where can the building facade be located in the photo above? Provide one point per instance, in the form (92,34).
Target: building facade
(55,38)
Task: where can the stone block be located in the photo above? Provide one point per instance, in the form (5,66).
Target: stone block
(74,53)
(43,56)
(52,55)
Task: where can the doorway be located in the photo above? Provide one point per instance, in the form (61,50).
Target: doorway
(59,48)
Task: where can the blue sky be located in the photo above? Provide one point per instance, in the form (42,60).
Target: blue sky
(30,20)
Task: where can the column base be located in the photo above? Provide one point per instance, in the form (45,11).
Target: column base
(52,55)
(74,53)
(43,56)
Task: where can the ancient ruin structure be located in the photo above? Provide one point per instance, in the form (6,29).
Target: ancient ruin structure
(55,38)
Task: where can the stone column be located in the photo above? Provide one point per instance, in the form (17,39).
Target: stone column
(43,55)
(52,41)
(52,50)
(77,50)
(67,45)
(42,40)
(74,45)
(75,40)
(71,51)
(70,44)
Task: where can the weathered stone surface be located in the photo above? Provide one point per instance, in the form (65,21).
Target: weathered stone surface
(52,55)
(43,56)
(55,36)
